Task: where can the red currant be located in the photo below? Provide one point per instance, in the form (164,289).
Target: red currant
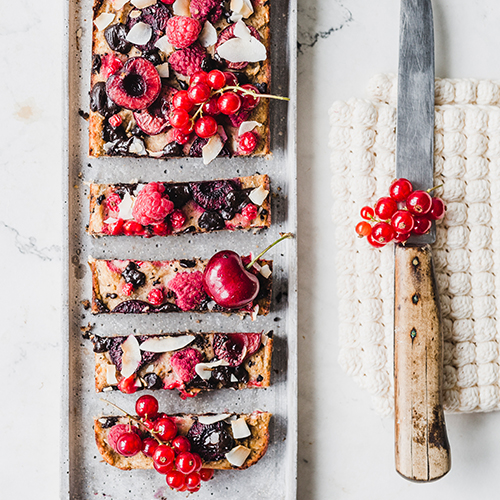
(163,455)
(367,213)
(155,296)
(363,229)
(181,444)
(181,100)
(161,229)
(198,77)
(199,93)
(231,79)
(438,209)
(129,444)
(216,79)
(165,429)
(383,232)
(187,129)
(229,103)
(149,446)
(402,221)
(206,474)
(147,406)
(249,101)
(131,228)
(193,480)
(205,127)
(177,219)
(185,462)
(422,225)
(127,290)
(198,462)
(175,479)
(401,237)
(400,189)
(115,228)
(181,138)
(127,385)
(211,107)
(179,117)
(419,202)
(247,143)
(385,208)
(163,469)
(373,242)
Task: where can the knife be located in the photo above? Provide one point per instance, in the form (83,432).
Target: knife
(421,443)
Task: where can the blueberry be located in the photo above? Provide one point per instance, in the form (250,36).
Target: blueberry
(153,381)
(172,149)
(153,57)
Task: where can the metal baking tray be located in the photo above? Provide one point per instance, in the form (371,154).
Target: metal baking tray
(84,475)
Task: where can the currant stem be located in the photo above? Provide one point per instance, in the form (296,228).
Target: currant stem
(435,187)
(283,237)
(249,92)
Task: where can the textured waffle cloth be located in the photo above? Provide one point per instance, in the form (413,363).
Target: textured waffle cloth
(466,252)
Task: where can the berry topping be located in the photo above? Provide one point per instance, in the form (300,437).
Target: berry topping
(165,429)
(113,202)
(110,64)
(116,36)
(187,61)
(385,208)
(183,363)
(129,444)
(133,276)
(249,101)
(419,202)
(216,79)
(177,219)
(188,288)
(210,441)
(211,107)
(115,120)
(127,385)
(249,212)
(179,118)
(211,221)
(150,205)
(137,86)
(149,446)
(178,194)
(206,474)
(175,479)
(180,444)
(400,189)
(161,229)
(205,127)
(155,296)
(131,227)
(127,289)
(117,431)
(199,93)
(154,119)
(247,143)
(206,9)
(229,103)
(373,242)
(182,31)
(100,102)
(193,480)
(367,213)
(211,195)
(185,462)
(181,100)
(235,347)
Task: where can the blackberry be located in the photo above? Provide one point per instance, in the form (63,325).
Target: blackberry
(211,195)
(178,194)
(101,344)
(211,221)
(202,437)
(132,275)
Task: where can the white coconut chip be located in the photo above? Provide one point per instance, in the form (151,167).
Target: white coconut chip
(111,375)
(233,378)
(255,312)
(238,455)
(212,419)
(125,207)
(163,70)
(181,8)
(248,127)
(155,154)
(104,20)
(137,147)
(110,220)
(140,34)
(135,13)
(166,344)
(131,356)
(240,428)
(244,47)
(242,8)
(258,195)
(265,271)
(164,45)
(211,149)
(208,35)
(118,4)
(142,4)
(204,370)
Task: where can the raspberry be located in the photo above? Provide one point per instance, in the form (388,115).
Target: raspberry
(177,218)
(115,120)
(226,35)
(187,61)
(182,31)
(127,289)
(117,431)
(155,296)
(112,202)
(110,64)
(247,143)
(114,228)
(188,288)
(206,9)
(150,206)
(168,2)
(183,363)
(249,212)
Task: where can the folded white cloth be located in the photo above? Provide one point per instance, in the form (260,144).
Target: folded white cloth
(466,252)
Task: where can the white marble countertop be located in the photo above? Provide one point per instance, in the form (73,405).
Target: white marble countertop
(346,449)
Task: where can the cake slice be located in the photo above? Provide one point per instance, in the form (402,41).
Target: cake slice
(212,440)
(141,56)
(129,286)
(189,362)
(161,209)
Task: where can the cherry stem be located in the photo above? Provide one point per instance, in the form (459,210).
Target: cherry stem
(283,237)
(250,92)
(139,421)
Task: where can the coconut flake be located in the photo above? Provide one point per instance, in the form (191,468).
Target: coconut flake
(238,455)
(166,344)
(212,419)
(181,8)
(248,127)
(204,370)
(163,70)
(111,375)
(142,4)
(255,312)
(134,14)
(243,48)
(164,45)
(265,271)
(211,149)
(104,20)
(140,34)
(131,356)
(241,31)
(208,35)
(110,220)
(240,428)
(233,378)
(155,154)
(137,146)
(118,4)
(125,207)
(258,195)
(242,8)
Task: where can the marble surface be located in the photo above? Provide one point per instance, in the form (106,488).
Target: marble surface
(345,448)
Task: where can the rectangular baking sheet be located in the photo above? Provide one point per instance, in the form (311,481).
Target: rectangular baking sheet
(84,474)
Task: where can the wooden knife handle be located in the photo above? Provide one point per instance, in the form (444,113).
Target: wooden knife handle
(422,448)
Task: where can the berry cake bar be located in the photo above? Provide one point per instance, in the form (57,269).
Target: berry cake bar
(161,209)
(217,439)
(188,362)
(156,61)
(127,286)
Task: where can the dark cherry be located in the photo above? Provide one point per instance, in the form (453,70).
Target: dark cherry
(172,149)
(211,221)
(100,102)
(116,36)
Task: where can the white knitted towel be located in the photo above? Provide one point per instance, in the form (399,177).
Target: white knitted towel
(466,252)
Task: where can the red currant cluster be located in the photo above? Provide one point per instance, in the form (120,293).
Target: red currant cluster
(156,437)
(398,216)
(208,96)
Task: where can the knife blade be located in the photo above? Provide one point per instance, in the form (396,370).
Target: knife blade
(421,443)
